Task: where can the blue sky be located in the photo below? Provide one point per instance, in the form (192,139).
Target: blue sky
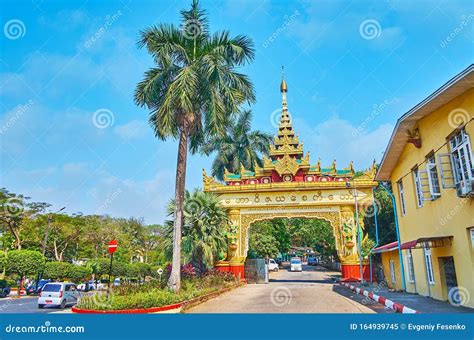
(72,136)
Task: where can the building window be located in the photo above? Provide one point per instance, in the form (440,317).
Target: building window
(418,187)
(429,265)
(433,179)
(411,271)
(463,168)
(392,271)
(402,197)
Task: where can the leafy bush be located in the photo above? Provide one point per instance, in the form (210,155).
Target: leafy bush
(25,262)
(3,261)
(57,270)
(150,294)
(78,274)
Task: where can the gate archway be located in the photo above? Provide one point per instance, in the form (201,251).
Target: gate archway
(289,186)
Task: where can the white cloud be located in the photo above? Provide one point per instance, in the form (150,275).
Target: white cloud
(334,139)
(133,130)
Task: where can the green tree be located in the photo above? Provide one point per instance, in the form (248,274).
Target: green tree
(191,92)
(3,262)
(57,270)
(262,245)
(24,262)
(204,229)
(385,217)
(14,209)
(78,274)
(239,146)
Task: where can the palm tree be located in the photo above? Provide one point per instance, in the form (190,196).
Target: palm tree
(238,146)
(204,229)
(192,93)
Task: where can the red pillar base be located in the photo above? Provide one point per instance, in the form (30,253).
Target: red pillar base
(238,271)
(351,272)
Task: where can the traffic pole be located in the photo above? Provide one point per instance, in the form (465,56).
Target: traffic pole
(110,273)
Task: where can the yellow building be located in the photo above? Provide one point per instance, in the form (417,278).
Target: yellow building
(429,162)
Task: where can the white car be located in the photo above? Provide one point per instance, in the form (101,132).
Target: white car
(58,294)
(272,265)
(296,265)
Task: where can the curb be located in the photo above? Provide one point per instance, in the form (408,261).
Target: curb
(397,307)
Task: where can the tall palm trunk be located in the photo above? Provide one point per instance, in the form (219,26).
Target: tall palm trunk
(174,282)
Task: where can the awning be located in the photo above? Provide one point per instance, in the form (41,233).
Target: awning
(385,248)
(427,242)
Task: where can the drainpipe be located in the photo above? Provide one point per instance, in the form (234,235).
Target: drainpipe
(376,234)
(400,256)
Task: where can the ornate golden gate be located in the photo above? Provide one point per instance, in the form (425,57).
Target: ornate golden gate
(288,186)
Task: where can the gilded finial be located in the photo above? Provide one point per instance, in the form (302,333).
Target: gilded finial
(283,86)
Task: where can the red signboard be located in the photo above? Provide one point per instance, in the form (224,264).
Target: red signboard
(113,246)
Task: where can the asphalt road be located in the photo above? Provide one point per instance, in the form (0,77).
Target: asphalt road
(27,305)
(311,291)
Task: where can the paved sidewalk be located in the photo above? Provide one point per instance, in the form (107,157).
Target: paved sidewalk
(417,302)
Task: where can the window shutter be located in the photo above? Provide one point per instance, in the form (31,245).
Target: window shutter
(446,170)
(425,185)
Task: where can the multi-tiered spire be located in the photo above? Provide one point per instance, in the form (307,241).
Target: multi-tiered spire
(287,161)
(285,142)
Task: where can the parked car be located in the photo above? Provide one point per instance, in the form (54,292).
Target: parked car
(296,265)
(33,289)
(86,286)
(312,261)
(58,294)
(279,260)
(4,289)
(117,281)
(272,265)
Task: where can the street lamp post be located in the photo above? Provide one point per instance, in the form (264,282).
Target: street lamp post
(45,241)
(400,256)
(46,233)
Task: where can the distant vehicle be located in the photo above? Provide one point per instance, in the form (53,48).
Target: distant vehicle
(4,289)
(33,289)
(117,281)
(296,265)
(272,265)
(86,286)
(312,261)
(58,294)
(279,260)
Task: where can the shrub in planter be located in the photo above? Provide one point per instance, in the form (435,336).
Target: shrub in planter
(56,270)
(78,274)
